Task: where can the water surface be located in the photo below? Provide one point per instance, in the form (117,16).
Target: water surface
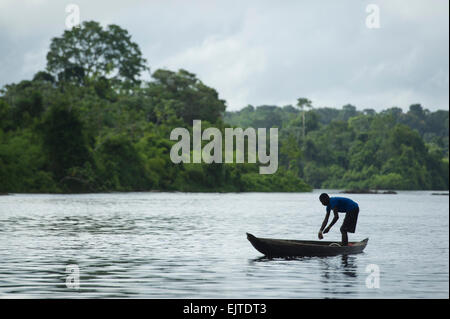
(177,245)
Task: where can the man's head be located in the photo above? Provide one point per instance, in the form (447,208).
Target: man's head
(324,199)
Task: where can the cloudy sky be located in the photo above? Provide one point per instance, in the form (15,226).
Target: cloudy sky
(262,52)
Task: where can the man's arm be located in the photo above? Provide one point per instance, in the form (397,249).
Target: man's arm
(325,221)
(335,219)
(324,224)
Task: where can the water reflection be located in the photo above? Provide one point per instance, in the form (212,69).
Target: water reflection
(349,266)
(344,273)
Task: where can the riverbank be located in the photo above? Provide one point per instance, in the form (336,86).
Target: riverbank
(368,191)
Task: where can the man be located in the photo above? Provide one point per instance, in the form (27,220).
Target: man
(339,205)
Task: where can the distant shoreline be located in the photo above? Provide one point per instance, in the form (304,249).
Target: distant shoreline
(362,192)
(368,191)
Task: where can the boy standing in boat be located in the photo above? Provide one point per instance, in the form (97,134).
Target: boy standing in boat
(339,205)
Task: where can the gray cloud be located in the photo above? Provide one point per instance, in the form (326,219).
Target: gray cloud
(263,52)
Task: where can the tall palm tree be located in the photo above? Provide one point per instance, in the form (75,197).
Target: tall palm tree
(301,104)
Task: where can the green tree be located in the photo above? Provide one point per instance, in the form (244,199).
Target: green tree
(5,117)
(189,97)
(120,166)
(64,141)
(89,50)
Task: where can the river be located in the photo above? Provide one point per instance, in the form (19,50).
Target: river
(180,245)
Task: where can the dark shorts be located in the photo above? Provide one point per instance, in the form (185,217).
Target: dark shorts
(349,224)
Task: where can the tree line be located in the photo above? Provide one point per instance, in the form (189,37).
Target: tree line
(347,148)
(88,123)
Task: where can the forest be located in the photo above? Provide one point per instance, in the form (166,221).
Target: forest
(89,123)
(351,149)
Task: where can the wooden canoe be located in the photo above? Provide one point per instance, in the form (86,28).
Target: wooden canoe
(292,248)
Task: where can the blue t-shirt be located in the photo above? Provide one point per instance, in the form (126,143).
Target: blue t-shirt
(341,204)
